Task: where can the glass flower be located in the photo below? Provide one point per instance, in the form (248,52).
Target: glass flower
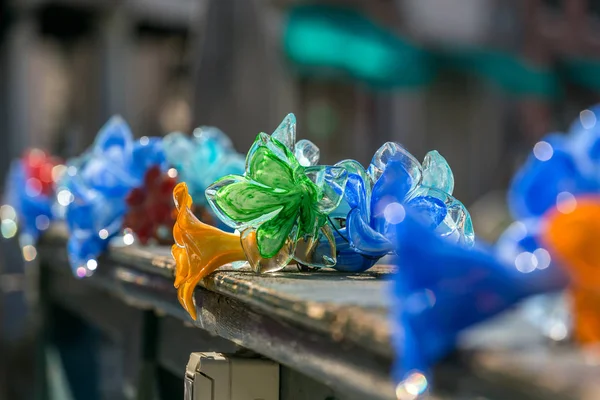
(199,249)
(440,288)
(29,195)
(375,200)
(571,238)
(150,213)
(202,159)
(96,186)
(560,168)
(281,203)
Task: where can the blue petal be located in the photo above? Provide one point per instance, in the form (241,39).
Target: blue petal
(519,247)
(356,194)
(431,210)
(536,186)
(585,144)
(27,207)
(102,175)
(114,141)
(80,249)
(392,187)
(440,289)
(349,260)
(363,238)
(145,156)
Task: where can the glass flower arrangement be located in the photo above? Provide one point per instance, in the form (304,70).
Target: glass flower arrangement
(97,183)
(286,208)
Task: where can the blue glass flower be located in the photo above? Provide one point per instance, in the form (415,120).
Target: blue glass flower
(375,201)
(560,168)
(25,205)
(202,159)
(440,288)
(29,195)
(96,185)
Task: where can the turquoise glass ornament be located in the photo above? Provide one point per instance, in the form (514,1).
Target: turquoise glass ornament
(202,158)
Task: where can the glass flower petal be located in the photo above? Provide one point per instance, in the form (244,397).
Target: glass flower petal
(393,151)
(330,183)
(286,132)
(260,264)
(437,173)
(199,249)
(307,153)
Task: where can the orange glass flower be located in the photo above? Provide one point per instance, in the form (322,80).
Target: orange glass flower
(573,236)
(199,249)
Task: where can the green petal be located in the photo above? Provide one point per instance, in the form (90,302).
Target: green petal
(308,217)
(242,202)
(271,235)
(268,169)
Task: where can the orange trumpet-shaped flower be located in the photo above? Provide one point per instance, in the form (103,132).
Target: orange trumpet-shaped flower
(199,249)
(573,238)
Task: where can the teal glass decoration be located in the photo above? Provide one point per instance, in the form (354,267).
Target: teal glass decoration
(202,158)
(281,202)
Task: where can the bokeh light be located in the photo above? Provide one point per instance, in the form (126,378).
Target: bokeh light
(543,151)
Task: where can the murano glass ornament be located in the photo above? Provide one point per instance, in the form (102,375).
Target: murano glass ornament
(199,249)
(441,288)
(150,212)
(97,184)
(281,203)
(200,160)
(376,199)
(560,168)
(571,234)
(29,196)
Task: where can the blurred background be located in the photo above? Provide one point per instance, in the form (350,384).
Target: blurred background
(479,80)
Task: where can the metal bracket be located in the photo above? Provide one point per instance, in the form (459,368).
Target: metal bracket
(213,376)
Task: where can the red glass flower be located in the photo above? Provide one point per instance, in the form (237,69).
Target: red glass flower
(151,212)
(40,171)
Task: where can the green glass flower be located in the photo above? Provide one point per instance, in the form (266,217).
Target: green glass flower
(279,205)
